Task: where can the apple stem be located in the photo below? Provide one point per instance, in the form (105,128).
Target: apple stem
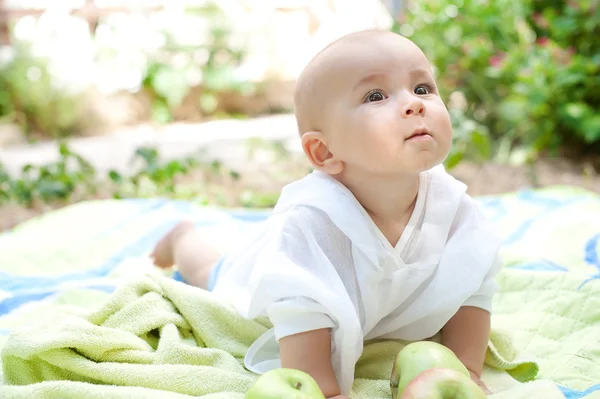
(298,385)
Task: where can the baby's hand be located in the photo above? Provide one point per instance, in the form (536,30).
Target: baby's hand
(480,383)
(338,397)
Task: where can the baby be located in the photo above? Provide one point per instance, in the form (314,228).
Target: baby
(378,242)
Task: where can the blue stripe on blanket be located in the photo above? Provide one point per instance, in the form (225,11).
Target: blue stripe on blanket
(591,253)
(31,288)
(591,257)
(575,394)
(11,303)
(249,216)
(544,265)
(495,207)
(550,206)
(12,282)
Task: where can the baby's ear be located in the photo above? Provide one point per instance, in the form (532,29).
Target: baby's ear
(316,149)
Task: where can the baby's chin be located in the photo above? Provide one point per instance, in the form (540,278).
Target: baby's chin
(425,163)
(435,156)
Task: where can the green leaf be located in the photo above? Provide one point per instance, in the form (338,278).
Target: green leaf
(171,84)
(513,109)
(208,102)
(63,149)
(148,154)
(482,144)
(160,112)
(218,79)
(577,111)
(174,167)
(115,176)
(454,159)
(49,189)
(591,129)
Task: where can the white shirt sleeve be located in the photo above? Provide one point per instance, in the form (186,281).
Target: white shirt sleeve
(483,297)
(296,315)
(471,217)
(311,241)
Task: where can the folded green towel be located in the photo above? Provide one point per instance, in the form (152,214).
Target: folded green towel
(156,337)
(501,355)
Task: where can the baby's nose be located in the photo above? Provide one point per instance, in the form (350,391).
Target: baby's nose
(414,108)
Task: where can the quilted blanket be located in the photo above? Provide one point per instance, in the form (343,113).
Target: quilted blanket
(550,288)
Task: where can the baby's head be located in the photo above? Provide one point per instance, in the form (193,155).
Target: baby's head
(368,104)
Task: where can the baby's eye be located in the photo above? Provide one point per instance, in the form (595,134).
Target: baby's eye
(374,96)
(423,89)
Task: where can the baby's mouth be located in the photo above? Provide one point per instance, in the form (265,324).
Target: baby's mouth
(419,134)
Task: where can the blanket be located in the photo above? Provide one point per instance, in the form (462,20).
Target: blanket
(164,336)
(75,336)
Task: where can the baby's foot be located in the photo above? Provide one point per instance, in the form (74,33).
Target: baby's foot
(163,252)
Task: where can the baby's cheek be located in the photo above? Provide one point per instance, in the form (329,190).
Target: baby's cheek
(387,148)
(444,117)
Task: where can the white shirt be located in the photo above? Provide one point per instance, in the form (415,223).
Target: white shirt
(321,262)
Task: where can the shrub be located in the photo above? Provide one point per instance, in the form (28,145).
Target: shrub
(30,98)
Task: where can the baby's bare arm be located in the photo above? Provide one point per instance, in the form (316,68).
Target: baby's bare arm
(311,352)
(467,334)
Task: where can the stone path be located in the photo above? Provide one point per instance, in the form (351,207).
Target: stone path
(225,140)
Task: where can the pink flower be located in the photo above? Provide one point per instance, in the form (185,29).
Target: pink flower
(496,59)
(542,41)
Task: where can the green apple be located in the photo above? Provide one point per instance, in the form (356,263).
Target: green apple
(417,357)
(440,383)
(285,383)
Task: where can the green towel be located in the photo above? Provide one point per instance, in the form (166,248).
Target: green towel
(156,337)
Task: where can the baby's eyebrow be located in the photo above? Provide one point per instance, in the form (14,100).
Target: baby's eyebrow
(370,78)
(420,72)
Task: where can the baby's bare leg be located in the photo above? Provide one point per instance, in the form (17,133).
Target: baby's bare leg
(183,246)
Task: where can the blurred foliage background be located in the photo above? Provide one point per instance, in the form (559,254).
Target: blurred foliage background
(520,78)
(56,65)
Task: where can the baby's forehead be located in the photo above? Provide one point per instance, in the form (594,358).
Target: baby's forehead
(378,43)
(353,57)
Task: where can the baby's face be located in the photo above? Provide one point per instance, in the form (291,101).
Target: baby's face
(385,115)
